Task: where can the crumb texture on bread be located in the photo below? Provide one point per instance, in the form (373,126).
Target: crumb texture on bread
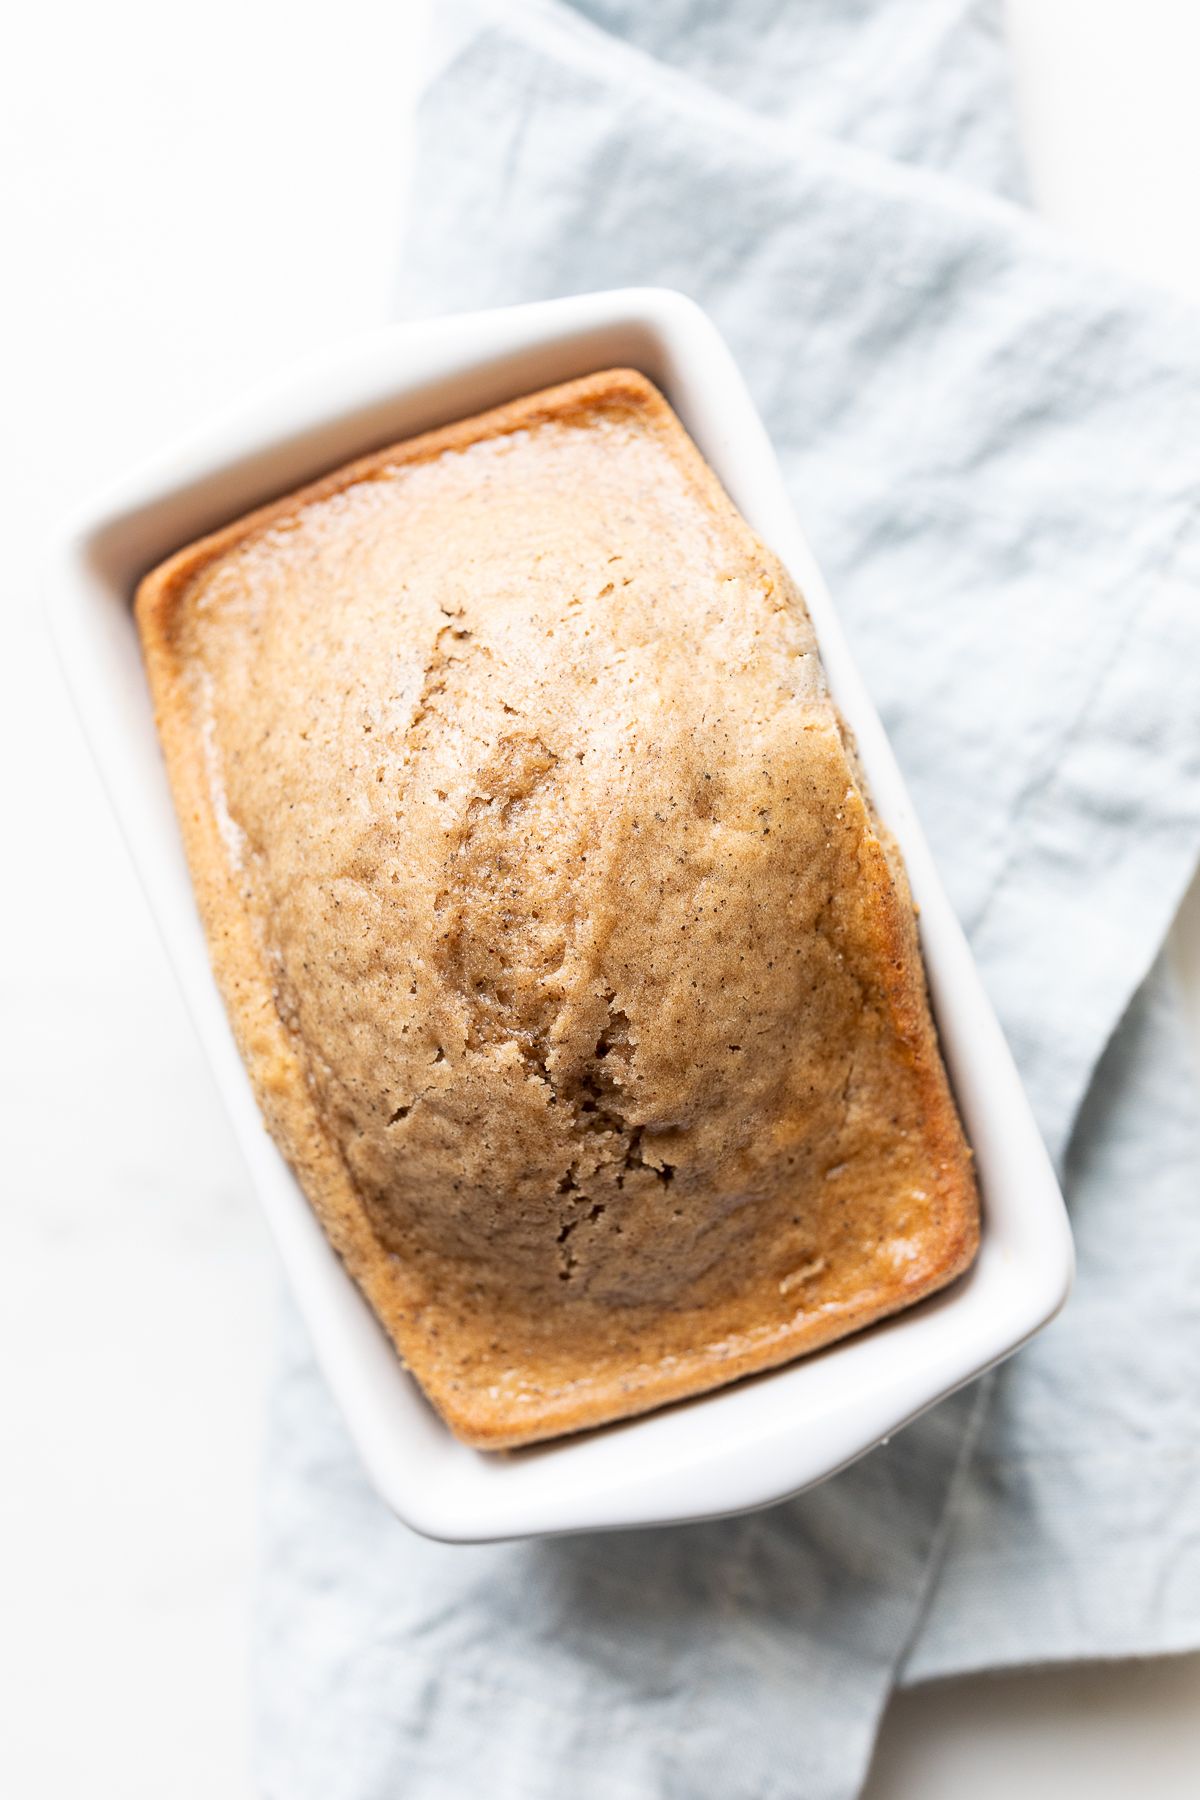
(572,973)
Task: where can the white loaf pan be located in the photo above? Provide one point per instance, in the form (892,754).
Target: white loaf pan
(745,1446)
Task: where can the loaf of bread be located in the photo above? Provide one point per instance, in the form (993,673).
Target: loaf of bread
(575,978)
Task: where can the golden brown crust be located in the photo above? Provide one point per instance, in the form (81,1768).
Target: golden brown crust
(506,1361)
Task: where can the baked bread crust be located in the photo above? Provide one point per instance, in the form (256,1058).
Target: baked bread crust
(574,978)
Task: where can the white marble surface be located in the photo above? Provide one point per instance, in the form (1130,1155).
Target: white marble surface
(194,198)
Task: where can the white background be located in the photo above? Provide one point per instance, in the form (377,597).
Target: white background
(196,197)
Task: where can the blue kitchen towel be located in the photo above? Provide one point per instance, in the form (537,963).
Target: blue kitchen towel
(994,446)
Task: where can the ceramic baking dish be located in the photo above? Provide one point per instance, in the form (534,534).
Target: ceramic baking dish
(744,1446)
